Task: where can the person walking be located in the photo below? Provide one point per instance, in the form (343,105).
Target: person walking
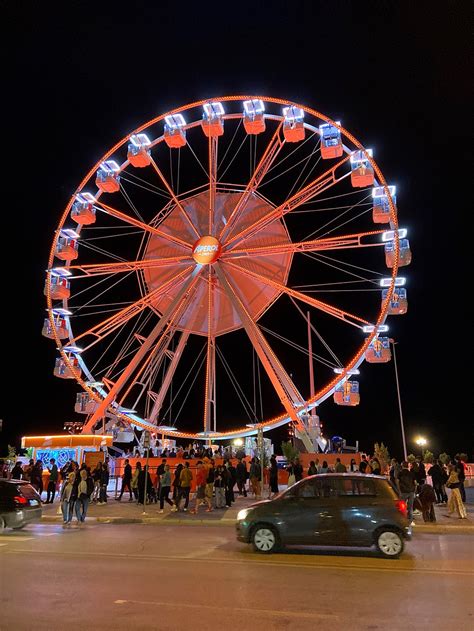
(201,481)
(185,481)
(17,471)
(53,480)
(219,487)
(241,474)
(176,483)
(142,476)
(460,470)
(273,478)
(85,489)
(229,484)
(104,482)
(455,502)
(211,476)
(96,475)
(406,484)
(165,487)
(255,475)
(134,481)
(126,481)
(438,477)
(67,502)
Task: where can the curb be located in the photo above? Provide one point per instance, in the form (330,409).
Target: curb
(146,520)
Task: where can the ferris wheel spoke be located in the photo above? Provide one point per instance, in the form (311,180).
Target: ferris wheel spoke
(213,147)
(158,398)
(320,184)
(171,314)
(101,269)
(288,394)
(270,154)
(174,198)
(333,243)
(209,388)
(114,212)
(322,306)
(108,326)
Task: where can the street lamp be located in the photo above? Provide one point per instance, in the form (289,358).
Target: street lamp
(421,442)
(405,455)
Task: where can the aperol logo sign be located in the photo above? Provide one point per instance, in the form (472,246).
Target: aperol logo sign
(206,250)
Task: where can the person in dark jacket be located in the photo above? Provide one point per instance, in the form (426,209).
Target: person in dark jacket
(241,473)
(297,470)
(17,471)
(460,470)
(421,471)
(273,478)
(176,484)
(439,477)
(231,480)
(427,497)
(406,484)
(104,482)
(142,476)
(126,481)
(53,480)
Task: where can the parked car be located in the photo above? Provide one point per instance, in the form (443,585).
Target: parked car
(333,509)
(20,504)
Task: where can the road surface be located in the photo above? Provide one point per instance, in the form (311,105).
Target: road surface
(176,577)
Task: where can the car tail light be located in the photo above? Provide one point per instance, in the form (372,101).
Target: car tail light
(19,499)
(402,507)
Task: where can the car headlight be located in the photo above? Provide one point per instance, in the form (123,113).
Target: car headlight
(242,514)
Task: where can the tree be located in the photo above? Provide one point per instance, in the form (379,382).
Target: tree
(428,456)
(411,458)
(289,451)
(444,458)
(382,455)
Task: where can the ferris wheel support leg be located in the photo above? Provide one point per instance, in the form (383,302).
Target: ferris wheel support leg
(147,345)
(289,396)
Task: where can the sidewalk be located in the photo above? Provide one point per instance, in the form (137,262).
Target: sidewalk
(126,512)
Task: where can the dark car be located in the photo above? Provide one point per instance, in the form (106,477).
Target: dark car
(333,509)
(19,504)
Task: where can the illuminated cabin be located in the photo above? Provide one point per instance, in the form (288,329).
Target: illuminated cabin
(378,351)
(174,132)
(293,125)
(62,370)
(138,151)
(331,141)
(212,121)
(347,393)
(362,173)
(60,326)
(83,210)
(66,249)
(398,302)
(381,206)
(85,404)
(404,256)
(60,288)
(107,177)
(254,120)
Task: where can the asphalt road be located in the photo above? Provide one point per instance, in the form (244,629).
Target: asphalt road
(171,578)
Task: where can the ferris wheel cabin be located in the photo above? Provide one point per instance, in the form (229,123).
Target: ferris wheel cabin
(85,404)
(362,173)
(293,126)
(174,132)
(59,288)
(107,178)
(83,210)
(66,247)
(61,327)
(331,141)
(63,371)
(254,121)
(398,302)
(381,206)
(404,255)
(138,151)
(347,393)
(212,121)
(378,351)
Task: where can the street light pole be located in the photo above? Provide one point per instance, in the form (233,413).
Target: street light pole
(405,455)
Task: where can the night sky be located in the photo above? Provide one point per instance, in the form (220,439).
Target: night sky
(78,76)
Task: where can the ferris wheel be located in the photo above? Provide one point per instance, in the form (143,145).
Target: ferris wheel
(195,256)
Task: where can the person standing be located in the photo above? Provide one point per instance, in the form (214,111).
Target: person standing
(241,473)
(53,480)
(85,489)
(165,487)
(201,481)
(427,497)
(375,466)
(126,481)
(421,471)
(176,480)
(17,471)
(134,481)
(406,484)
(211,475)
(297,470)
(438,477)
(353,468)
(142,476)
(96,475)
(340,468)
(273,477)
(460,470)
(363,465)
(455,502)
(312,469)
(104,482)
(67,503)
(394,471)
(219,486)
(255,476)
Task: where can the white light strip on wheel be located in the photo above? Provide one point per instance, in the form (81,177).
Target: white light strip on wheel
(390,234)
(399,281)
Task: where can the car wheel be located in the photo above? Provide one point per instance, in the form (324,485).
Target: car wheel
(264,539)
(389,543)
(2,525)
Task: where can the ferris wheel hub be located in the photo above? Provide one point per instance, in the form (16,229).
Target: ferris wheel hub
(206,250)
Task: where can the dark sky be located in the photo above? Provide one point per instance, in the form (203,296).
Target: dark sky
(77,76)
